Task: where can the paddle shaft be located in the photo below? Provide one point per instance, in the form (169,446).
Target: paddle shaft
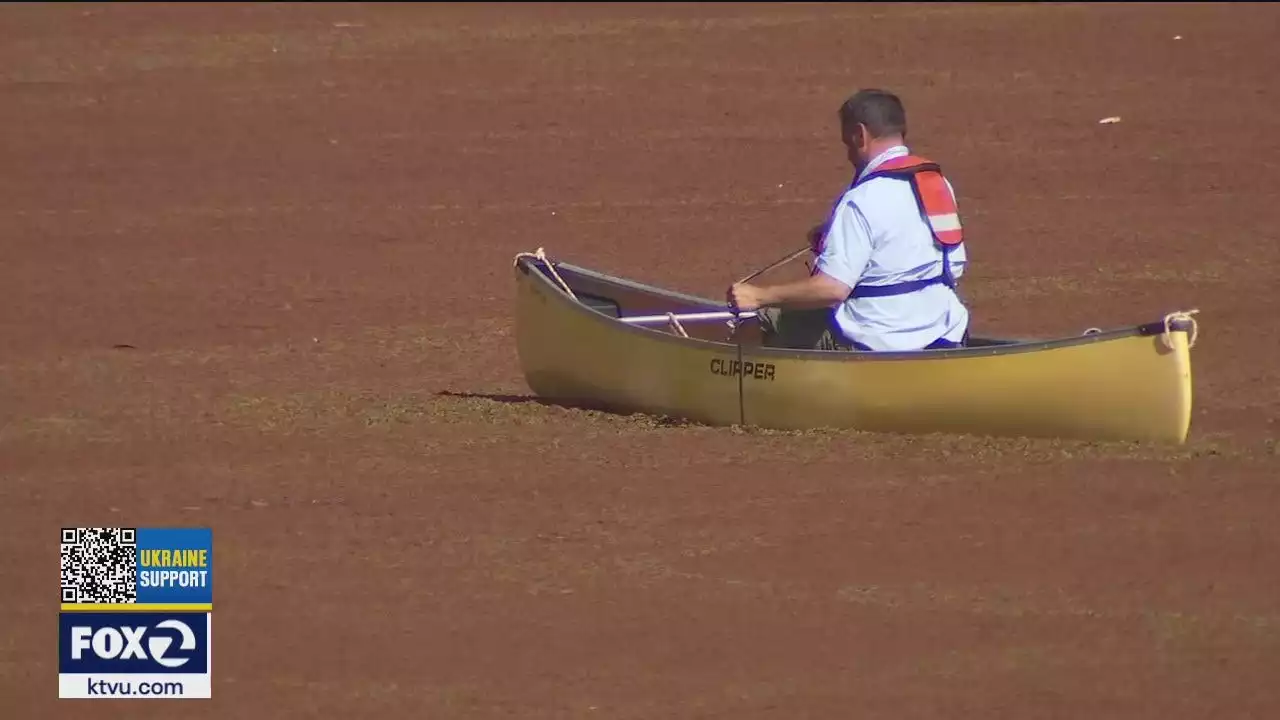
(777,264)
(742,409)
(738,317)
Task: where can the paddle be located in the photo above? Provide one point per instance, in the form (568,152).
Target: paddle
(737,320)
(777,264)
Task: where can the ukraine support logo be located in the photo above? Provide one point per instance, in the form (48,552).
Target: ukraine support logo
(136,612)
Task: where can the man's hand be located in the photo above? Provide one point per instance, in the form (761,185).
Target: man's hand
(744,297)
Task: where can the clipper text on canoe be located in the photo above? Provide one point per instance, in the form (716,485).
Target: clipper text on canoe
(748,369)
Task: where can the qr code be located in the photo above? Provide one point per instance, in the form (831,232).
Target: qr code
(99,565)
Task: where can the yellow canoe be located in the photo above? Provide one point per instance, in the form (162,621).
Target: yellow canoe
(589,339)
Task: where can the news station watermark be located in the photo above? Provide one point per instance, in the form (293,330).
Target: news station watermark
(136,618)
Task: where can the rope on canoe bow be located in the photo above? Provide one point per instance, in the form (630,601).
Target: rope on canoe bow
(1184,317)
(542,256)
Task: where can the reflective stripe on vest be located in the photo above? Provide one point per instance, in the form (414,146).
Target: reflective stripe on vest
(936,203)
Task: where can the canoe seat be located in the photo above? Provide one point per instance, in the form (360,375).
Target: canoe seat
(602,305)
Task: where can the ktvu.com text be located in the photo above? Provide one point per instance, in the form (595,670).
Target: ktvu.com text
(128,685)
(135,655)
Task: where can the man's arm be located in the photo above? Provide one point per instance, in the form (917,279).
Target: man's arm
(817,291)
(844,257)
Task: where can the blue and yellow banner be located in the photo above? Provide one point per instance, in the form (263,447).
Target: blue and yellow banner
(136,613)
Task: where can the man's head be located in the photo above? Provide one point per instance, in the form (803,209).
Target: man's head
(870,120)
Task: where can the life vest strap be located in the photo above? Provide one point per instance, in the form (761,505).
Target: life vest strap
(946,278)
(902,288)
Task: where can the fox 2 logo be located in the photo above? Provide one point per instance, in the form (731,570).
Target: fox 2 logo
(133,642)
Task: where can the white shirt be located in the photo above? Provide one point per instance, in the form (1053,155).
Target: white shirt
(878,237)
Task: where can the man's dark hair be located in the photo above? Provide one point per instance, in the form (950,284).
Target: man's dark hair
(880,110)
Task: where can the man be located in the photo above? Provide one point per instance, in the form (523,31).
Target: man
(887,257)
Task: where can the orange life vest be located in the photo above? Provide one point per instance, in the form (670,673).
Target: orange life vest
(937,207)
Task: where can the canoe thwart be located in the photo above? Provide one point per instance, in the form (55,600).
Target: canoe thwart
(686,317)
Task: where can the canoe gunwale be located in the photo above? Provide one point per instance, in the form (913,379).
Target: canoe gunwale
(1179,323)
